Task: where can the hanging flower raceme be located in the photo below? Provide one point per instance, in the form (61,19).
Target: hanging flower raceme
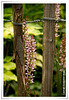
(62,53)
(29,56)
(57,16)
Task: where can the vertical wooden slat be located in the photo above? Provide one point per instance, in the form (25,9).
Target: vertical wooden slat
(48,50)
(18,48)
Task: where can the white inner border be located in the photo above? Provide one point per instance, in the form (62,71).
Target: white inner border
(1,46)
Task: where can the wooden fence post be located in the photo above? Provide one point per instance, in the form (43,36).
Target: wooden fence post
(18,48)
(48,50)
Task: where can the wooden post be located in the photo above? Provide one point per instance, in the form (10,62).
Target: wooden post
(48,50)
(18,48)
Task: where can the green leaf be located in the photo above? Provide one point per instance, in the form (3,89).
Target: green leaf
(54,94)
(15,87)
(37,87)
(39,45)
(64,30)
(33,28)
(8,30)
(8,10)
(34,32)
(8,76)
(38,63)
(9,66)
(34,25)
(8,59)
(7,15)
(39,57)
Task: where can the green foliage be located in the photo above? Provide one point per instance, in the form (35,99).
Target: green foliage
(7,12)
(8,67)
(62,11)
(39,57)
(34,29)
(8,30)
(8,76)
(38,63)
(35,26)
(7,58)
(36,87)
(15,87)
(39,45)
(35,9)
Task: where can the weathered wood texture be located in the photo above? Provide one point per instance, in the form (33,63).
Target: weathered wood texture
(18,48)
(48,50)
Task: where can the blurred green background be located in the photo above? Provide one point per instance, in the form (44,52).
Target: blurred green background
(33,12)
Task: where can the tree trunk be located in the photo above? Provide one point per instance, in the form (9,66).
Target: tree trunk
(48,50)
(18,48)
